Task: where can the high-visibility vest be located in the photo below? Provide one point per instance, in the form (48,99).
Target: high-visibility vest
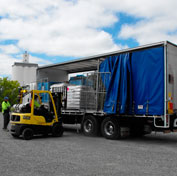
(36,104)
(5,106)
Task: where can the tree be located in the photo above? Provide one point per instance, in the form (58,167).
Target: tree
(10,89)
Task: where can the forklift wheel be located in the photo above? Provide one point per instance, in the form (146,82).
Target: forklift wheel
(57,130)
(27,133)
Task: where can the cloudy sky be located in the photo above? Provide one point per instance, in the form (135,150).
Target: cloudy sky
(54,31)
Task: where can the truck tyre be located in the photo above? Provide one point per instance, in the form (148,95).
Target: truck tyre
(90,126)
(27,133)
(110,128)
(57,130)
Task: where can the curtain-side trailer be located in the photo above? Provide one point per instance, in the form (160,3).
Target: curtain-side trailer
(133,91)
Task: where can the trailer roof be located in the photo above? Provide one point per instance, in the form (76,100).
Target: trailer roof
(91,63)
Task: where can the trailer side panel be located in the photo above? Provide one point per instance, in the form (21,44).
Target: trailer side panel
(172,76)
(138,77)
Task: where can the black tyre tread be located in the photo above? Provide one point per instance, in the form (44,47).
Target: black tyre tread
(116,134)
(27,134)
(95,129)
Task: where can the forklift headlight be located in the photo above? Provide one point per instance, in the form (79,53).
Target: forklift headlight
(26,117)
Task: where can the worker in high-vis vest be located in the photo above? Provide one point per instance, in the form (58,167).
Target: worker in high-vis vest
(5,111)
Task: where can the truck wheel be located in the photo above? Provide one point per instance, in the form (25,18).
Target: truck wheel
(27,133)
(110,129)
(90,126)
(57,130)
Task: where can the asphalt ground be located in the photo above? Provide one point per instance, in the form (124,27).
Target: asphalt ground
(77,155)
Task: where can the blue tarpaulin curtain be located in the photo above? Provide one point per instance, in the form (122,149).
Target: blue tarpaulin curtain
(137,82)
(117,87)
(147,67)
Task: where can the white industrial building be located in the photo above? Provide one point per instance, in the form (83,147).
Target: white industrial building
(24,72)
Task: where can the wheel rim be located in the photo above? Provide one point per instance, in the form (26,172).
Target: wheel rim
(109,128)
(88,126)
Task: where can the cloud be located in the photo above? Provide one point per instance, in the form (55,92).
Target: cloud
(151,31)
(76,27)
(6,63)
(9,49)
(76,45)
(67,28)
(39,61)
(157,23)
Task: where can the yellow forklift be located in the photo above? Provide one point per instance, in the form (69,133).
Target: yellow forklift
(35,115)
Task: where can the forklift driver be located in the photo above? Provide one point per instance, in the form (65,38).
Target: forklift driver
(36,104)
(39,109)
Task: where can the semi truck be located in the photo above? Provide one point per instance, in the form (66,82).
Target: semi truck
(131,92)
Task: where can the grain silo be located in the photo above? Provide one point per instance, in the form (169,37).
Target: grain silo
(24,72)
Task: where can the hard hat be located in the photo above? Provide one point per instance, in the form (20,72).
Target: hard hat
(6,98)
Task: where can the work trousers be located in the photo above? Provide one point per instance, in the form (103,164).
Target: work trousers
(6,116)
